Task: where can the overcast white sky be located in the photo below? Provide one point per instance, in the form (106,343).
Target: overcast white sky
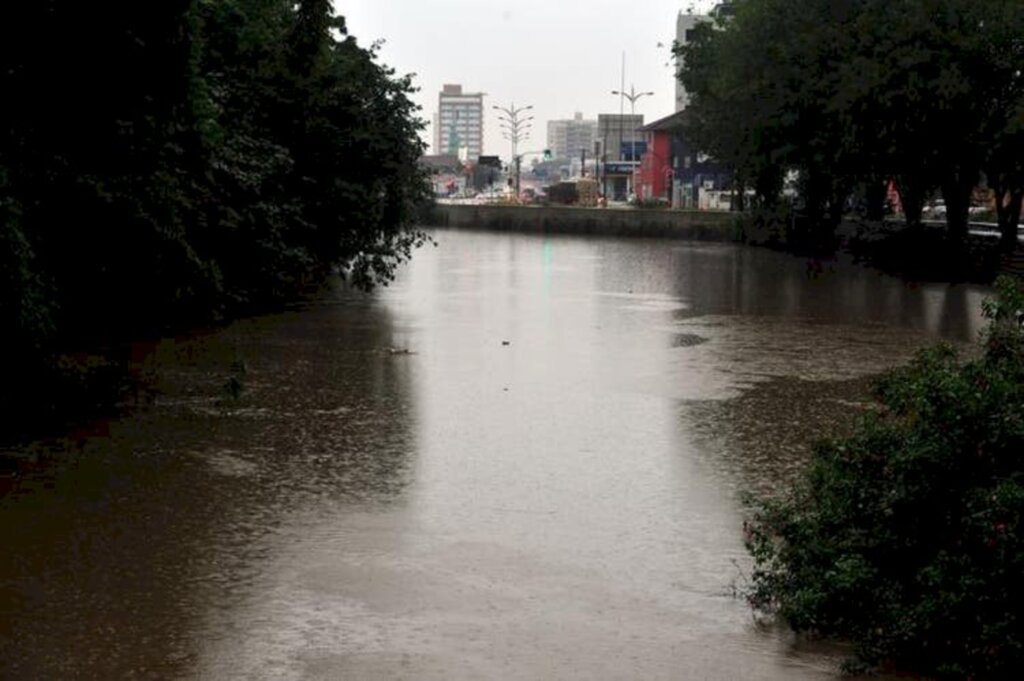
(561,56)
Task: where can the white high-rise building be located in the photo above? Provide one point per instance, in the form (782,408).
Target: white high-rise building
(459,123)
(571,138)
(685,24)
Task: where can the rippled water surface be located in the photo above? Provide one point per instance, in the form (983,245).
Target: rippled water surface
(525,460)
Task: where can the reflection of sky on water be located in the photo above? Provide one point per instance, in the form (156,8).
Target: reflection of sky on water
(524,460)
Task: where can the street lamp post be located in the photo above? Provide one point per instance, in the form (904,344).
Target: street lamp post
(515,130)
(632,96)
(604,164)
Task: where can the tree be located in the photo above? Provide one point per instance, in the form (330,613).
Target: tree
(1004,162)
(729,108)
(190,161)
(862,91)
(337,137)
(761,85)
(1005,176)
(906,538)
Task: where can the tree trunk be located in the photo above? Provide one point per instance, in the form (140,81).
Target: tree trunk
(837,205)
(740,191)
(912,190)
(956,191)
(874,197)
(768,186)
(999,195)
(1009,219)
(808,225)
(1008,189)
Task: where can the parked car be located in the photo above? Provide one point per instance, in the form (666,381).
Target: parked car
(935,210)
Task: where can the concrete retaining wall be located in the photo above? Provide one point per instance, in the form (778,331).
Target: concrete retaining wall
(698,225)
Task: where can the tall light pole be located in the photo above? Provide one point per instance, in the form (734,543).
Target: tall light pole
(632,96)
(515,130)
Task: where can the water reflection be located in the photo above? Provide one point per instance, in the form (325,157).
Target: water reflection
(727,279)
(523,461)
(115,558)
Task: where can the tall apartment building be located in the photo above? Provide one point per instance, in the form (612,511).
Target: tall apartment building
(459,123)
(567,138)
(685,24)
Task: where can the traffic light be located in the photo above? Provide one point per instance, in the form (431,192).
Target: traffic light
(547,154)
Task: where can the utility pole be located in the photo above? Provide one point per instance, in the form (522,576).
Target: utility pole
(515,130)
(632,96)
(604,165)
(622,88)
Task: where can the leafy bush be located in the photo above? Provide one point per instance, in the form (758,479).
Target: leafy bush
(651,204)
(222,157)
(906,538)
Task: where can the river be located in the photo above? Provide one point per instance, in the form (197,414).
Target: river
(526,459)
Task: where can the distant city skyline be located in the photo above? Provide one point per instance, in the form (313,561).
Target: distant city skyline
(559,57)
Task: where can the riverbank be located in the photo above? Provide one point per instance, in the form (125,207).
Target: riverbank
(921,256)
(683,224)
(928,253)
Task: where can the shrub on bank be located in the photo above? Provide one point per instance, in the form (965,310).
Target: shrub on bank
(906,537)
(651,204)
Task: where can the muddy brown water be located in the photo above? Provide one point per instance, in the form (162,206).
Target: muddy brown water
(525,460)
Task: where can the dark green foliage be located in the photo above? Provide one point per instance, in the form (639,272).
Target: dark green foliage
(928,93)
(175,162)
(907,537)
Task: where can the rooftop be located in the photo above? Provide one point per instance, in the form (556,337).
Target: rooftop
(672,122)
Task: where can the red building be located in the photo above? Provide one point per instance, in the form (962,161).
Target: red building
(654,177)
